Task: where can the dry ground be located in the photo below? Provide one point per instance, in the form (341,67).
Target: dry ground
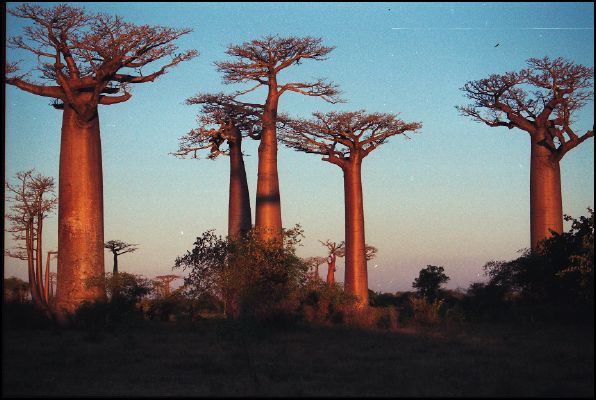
(218,358)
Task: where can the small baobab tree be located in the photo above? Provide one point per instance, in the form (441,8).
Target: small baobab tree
(118,247)
(163,283)
(540,100)
(315,263)
(261,61)
(31,201)
(223,123)
(334,250)
(88,60)
(344,139)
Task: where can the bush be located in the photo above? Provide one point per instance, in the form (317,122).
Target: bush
(251,277)
(321,303)
(425,312)
(554,282)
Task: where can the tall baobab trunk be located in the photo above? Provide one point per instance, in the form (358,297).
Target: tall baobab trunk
(331,270)
(356,280)
(268,205)
(80,213)
(546,205)
(239,215)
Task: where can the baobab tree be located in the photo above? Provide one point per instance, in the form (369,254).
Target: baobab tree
(89,60)
(31,201)
(344,139)
(334,250)
(315,263)
(261,61)
(118,247)
(540,100)
(223,123)
(163,282)
(338,250)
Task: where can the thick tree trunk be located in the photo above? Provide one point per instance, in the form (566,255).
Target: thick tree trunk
(356,279)
(331,272)
(546,205)
(115,269)
(268,205)
(80,213)
(239,215)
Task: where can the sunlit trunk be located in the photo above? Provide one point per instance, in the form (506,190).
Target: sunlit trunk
(80,213)
(356,279)
(268,205)
(546,205)
(239,215)
(331,271)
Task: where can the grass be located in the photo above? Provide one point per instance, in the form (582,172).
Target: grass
(219,358)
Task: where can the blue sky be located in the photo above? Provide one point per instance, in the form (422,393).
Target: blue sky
(456,195)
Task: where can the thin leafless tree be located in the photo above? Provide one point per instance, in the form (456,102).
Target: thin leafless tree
(31,201)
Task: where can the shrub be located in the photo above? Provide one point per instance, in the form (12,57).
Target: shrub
(425,312)
(251,277)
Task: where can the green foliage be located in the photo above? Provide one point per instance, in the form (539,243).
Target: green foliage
(321,303)
(426,312)
(554,282)
(251,277)
(560,272)
(429,282)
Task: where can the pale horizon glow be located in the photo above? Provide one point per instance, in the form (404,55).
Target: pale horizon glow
(455,195)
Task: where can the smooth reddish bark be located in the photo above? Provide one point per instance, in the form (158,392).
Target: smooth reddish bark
(268,203)
(239,213)
(331,270)
(80,213)
(546,204)
(356,278)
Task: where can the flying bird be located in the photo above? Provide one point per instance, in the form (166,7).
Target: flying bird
(497,45)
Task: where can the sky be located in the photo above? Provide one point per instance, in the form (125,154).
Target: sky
(455,195)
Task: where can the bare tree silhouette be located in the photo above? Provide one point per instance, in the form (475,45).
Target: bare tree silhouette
(344,139)
(260,61)
(540,100)
(118,247)
(91,60)
(31,200)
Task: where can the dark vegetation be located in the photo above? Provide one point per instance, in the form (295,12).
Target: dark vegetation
(527,331)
